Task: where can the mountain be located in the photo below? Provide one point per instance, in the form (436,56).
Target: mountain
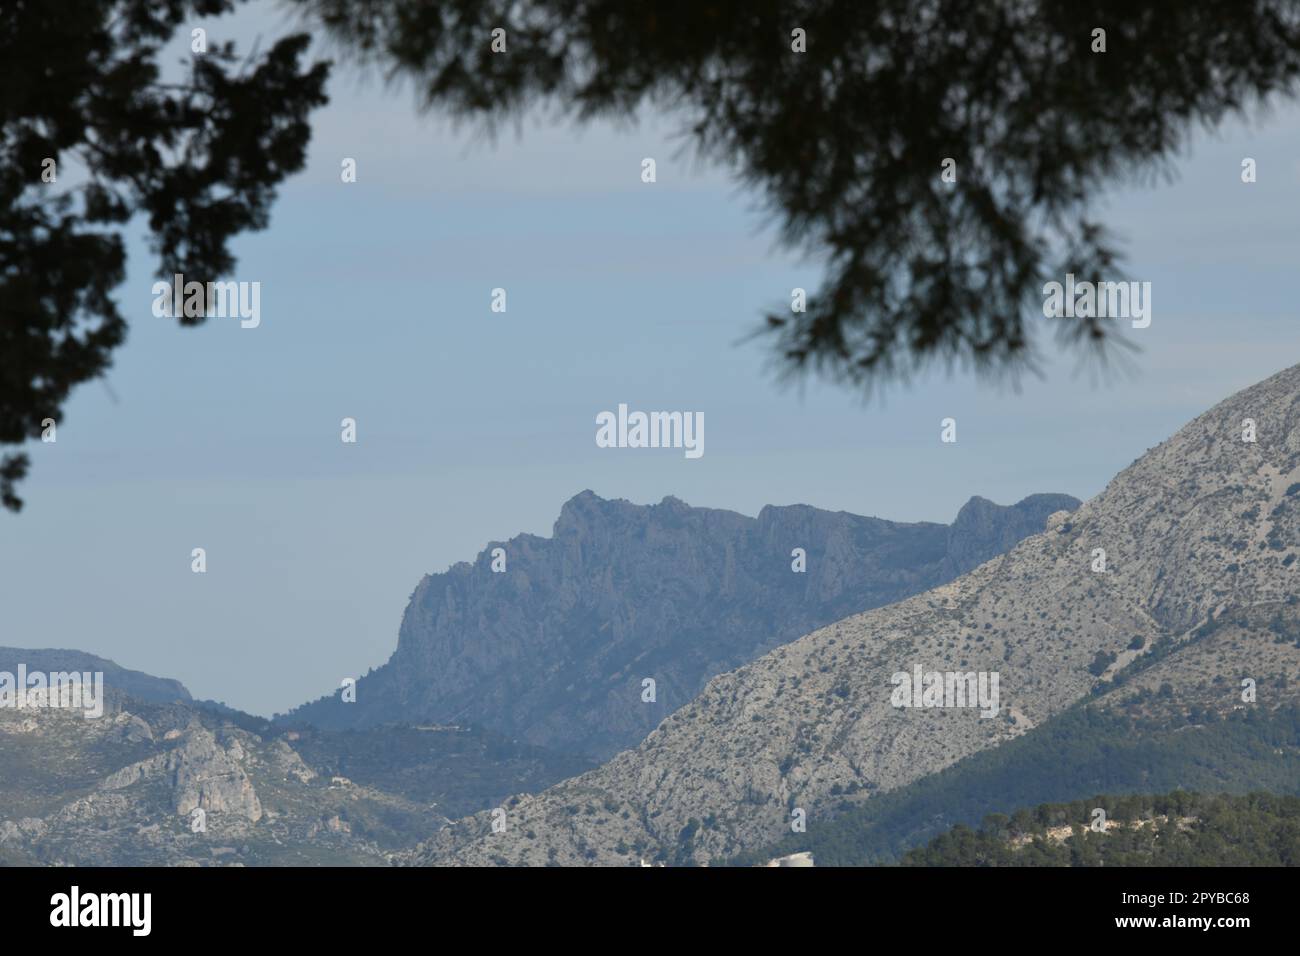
(984,530)
(121,789)
(555,650)
(1172,718)
(1202,528)
(1070,757)
(55,661)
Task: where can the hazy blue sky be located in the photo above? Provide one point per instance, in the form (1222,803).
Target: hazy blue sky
(475,426)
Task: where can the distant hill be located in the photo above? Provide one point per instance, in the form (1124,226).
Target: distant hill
(1175,829)
(135,683)
(555,650)
(121,789)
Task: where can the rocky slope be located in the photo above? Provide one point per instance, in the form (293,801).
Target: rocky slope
(123,788)
(555,650)
(1217,712)
(1204,523)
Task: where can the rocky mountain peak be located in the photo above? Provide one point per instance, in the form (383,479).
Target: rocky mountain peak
(556,651)
(1204,524)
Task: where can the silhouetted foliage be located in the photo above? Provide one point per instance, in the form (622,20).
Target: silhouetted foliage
(846,139)
(199,158)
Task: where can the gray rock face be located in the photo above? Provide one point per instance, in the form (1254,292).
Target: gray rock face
(983,530)
(132,730)
(201,773)
(1204,522)
(555,650)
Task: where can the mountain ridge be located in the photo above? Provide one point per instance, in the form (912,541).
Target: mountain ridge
(138,684)
(555,650)
(1205,520)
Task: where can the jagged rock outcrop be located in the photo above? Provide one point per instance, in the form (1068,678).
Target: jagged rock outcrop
(983,530)
(201,773)
(555,651)
(1204,522)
